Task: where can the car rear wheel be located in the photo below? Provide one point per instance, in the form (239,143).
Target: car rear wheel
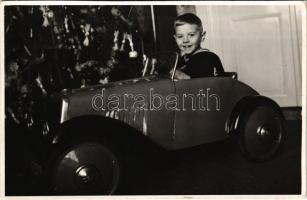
(261,132)
(86,168)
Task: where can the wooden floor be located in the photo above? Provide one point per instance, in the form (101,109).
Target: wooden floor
(216,170)
(206,170)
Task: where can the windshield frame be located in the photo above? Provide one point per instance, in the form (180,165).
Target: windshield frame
(175,66)
(146,69)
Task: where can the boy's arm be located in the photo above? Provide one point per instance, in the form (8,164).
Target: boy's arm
(179,75)
(219,66)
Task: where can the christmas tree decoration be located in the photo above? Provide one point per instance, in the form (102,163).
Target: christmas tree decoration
(132,53)
(115,47)
(55,48)
(122,47)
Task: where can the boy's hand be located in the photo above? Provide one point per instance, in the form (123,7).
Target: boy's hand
(179,75)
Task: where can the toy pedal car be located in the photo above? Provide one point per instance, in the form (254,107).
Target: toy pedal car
(98,121)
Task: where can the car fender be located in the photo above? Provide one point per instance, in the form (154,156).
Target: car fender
(94,126)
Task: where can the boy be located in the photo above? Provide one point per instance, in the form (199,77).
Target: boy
(194,62)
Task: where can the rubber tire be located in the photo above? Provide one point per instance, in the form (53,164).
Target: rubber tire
(69,157)
(252,141)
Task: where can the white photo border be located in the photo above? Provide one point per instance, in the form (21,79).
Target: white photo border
(302,4)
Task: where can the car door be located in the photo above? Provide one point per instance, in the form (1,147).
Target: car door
(160,119)
(204,106)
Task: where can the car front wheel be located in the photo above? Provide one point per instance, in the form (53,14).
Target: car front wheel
(261,132)
(86,168)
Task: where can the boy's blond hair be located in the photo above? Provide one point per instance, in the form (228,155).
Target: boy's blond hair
(188,18)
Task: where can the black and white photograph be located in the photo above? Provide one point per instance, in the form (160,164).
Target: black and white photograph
(151,98)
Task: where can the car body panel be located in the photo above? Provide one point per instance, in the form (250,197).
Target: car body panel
(172,127)
(199,124)
(206,123)
(88,101)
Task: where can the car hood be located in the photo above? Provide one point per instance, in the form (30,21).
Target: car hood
(114,84)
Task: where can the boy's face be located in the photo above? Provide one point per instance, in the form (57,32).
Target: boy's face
(188,38)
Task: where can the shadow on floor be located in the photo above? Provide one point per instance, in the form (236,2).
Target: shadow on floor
(205,170)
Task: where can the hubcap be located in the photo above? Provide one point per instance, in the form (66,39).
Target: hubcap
(85,169)
(263,131)
(85,175)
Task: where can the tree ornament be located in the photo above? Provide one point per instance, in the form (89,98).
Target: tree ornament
(132,53)
(122,48)
(45,10)
(115,47)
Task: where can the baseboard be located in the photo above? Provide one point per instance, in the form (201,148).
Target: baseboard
(292,113)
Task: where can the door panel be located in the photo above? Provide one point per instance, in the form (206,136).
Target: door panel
(202,120)
(264,57)
(160,121)
(257,41)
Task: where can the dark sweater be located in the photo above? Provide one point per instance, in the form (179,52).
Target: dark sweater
(202,63)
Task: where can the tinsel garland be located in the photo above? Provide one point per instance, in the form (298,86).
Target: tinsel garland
(50,48)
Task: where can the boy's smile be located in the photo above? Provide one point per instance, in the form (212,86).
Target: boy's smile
(188,38)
